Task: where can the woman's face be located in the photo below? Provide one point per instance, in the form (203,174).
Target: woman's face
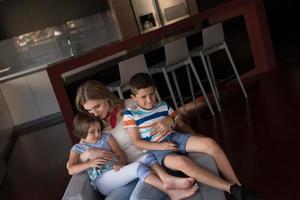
(99,108)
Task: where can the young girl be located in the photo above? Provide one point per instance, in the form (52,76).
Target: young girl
(104,175)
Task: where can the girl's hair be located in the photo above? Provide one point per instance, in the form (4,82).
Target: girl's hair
(94,90)
(82,123)
(140,81)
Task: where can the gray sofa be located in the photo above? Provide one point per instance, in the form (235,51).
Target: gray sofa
(80,189)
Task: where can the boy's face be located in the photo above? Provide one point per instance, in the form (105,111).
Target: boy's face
(94,133)
(145,98)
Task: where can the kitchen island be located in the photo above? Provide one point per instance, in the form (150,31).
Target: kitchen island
(252,11)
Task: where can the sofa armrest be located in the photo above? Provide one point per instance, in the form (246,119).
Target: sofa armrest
(79,188)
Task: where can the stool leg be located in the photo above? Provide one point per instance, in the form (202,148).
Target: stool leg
(201,86)
(157,95)
(120,93)
(156,91)
(209,81)
(190,82)
(212,76)
(169,87)
(235,70)
(177,87)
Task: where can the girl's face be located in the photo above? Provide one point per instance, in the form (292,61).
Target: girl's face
(94,133)
(99,108)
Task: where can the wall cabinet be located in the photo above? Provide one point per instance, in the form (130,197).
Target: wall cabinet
(43,93)
(13,19)
(29,97)
(41,13)
(78,9)
(18,17)
(6,123)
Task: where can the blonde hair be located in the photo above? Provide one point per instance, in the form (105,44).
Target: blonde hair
(94,90)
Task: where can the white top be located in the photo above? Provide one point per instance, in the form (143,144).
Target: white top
(124,140)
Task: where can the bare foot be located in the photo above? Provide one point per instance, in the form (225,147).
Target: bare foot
(173,182)
(177,194)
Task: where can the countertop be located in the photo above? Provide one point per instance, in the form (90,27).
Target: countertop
(33,52)
(18,71)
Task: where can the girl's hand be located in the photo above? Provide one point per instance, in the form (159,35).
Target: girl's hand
(118,165)
(92,153)
(169,146)
(97,162)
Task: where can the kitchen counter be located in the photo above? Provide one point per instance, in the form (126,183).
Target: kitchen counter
(17,71)
(35,51)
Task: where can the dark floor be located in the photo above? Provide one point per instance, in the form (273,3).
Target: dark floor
(261,137)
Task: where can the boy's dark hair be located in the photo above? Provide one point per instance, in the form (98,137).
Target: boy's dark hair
(82,123)
(140,81)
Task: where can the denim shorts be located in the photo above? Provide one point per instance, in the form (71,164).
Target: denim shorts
(158,155)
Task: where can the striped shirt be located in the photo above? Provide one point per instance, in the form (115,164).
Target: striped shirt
(145,119)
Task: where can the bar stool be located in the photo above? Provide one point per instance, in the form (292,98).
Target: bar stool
(213,41)
(177,56)
(128,68)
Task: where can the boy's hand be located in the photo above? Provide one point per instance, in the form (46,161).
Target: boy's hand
(162,126)
(169,146)
(118,165)
(97,162)
(158,127)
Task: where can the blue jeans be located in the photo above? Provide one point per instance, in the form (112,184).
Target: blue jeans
(180,139)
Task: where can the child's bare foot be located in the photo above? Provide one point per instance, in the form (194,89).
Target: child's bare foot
(173,182)
(177,194)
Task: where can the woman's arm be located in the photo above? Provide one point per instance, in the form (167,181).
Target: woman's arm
(146,145)
(169,123)
(183,127)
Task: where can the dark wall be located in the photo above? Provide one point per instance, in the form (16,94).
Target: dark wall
(207,4)
(22,16)
(284,21)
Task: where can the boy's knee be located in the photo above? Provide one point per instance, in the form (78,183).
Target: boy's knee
(211,145)
(181,162)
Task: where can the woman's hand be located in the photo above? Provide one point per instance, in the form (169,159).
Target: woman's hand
(169,146)
(118,165)
(92,153)
(97,162)
(162,126)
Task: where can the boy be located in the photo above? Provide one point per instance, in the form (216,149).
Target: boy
(169,147)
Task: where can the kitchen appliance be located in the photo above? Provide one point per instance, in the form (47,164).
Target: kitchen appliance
(152,14)
(172,10)
(146,15)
